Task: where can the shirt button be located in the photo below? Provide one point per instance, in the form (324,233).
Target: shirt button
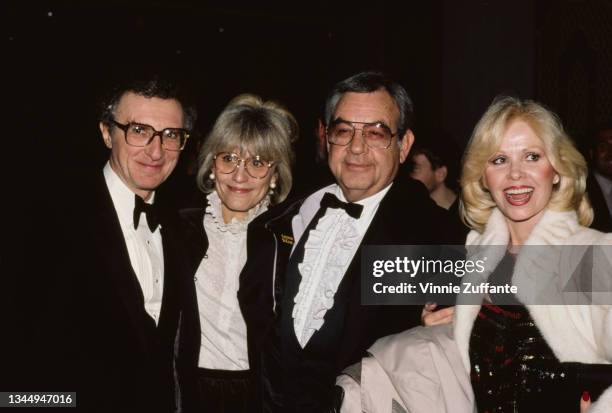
(195,278)
(205,256)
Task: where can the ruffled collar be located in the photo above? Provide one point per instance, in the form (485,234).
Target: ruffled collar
(236,226)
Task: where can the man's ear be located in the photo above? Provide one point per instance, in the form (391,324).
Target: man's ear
(106,137)
(322,142)
(441,174)
(405,145)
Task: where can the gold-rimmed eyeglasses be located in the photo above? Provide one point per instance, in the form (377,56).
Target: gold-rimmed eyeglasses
(255,166)
(376,134)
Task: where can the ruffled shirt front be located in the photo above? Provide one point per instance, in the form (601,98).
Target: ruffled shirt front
(223,339)
(328,252)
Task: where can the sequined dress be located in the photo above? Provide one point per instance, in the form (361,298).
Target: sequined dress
(513,368)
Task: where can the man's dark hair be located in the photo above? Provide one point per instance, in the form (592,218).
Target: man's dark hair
(368,82)
(435,160)
(153,86)
(440,151)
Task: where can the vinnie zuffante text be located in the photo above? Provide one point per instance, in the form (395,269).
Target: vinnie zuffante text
(434,267)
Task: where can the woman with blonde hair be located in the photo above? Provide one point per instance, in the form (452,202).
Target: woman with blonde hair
(245,166)
(523,188)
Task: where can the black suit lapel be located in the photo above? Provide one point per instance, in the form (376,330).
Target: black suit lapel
(175,274)
(388,227)
(293,279)
(111,244)
(195,240)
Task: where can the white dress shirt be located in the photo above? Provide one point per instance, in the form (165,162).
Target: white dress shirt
(328,252)
(144,248)
(223,341)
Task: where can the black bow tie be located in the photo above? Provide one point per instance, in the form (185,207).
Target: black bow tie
(141,206)
(331,201)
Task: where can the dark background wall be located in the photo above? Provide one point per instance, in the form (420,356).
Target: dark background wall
(488,49)
(452,56)
(574,62)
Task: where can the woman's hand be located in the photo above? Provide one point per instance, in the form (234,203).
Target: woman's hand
(430,317)
(585,402)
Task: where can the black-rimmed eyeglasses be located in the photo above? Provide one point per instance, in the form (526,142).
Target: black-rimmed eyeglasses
(376,134)
(140,134)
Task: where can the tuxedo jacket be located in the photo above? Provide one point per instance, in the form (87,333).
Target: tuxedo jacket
(291,378)
(79,316)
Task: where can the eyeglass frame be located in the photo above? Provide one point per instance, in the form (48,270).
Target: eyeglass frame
(269,164)
(125,126)
(352,124)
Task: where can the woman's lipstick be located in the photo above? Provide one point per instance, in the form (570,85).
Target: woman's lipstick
(518,195)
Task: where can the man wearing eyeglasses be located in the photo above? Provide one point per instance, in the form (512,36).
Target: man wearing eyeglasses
(317,325)
(115,290)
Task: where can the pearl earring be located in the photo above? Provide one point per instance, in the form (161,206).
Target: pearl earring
(273,185)
(211,176)
(556,180)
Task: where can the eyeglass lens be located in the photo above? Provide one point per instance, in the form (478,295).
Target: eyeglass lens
(227,162)
(140,135)
(377,135)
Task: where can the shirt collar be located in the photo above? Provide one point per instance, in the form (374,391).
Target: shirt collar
(122,196)
(370,204)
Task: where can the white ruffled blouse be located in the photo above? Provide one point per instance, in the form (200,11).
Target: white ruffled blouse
(223,344)
(328,252)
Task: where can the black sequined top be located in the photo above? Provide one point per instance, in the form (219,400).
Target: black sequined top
(513,368)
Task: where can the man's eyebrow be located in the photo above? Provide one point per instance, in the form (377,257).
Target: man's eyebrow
(339,119)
